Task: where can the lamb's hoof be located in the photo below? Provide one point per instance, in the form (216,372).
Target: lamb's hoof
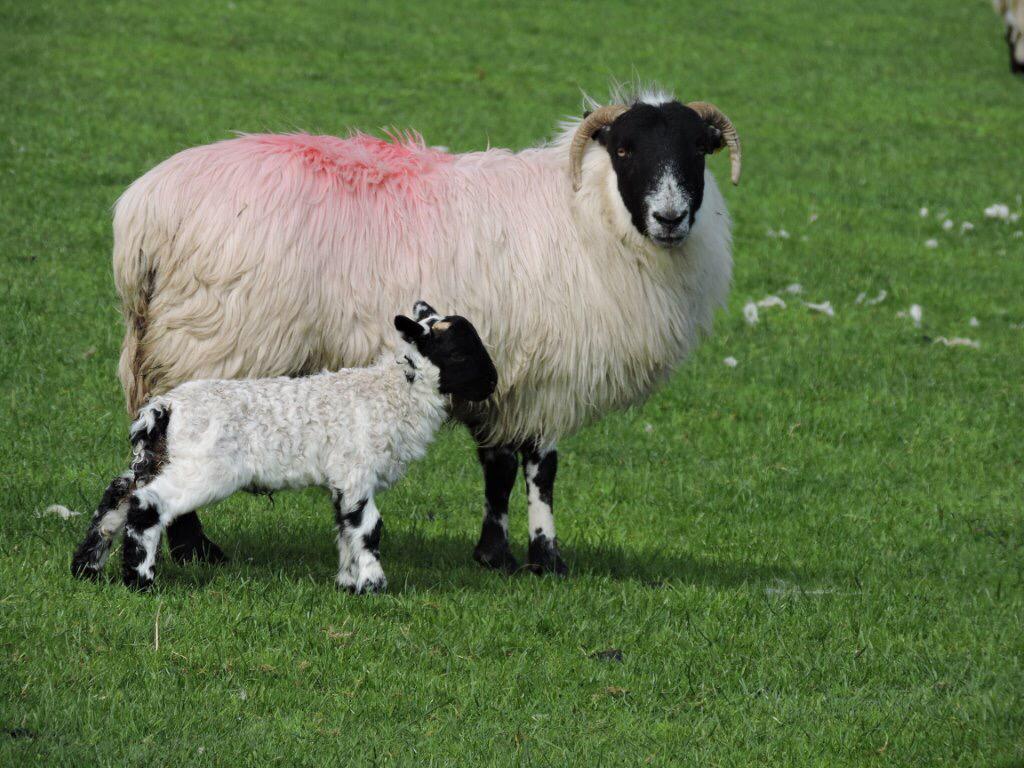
(84,569)
(498,558)
(87,561)
(543,557)
(370,586)
(136,582)
(201,551)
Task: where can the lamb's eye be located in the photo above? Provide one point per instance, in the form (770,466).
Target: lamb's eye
(622,152)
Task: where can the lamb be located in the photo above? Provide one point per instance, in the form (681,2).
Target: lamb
(591,265)
(1012,13)
(352,431)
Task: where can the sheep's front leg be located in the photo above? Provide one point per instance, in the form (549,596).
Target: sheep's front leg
(106,523)
(359,531)
(540,465)
(499,465)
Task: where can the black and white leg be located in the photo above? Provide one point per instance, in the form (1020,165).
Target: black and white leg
(540,465)
(359,531)
(142,533)
(186,541)
(499,465)
(106,523)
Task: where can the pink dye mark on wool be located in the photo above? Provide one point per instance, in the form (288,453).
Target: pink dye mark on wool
(358,162)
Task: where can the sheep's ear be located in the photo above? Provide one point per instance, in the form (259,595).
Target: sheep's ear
(408,328)
(601,135)
(713,140)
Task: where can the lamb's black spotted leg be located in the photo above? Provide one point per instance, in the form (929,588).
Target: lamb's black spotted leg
(499,465)
(106,523)
(540,465)
(186,541)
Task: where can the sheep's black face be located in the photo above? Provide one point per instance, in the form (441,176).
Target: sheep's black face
(658,152)
(453,345)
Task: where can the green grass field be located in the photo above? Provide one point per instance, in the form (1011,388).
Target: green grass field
(813,558)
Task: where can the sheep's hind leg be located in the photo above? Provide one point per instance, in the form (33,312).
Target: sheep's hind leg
(359,531)
(186,541)
(106,523)
(499,465)
(540,465)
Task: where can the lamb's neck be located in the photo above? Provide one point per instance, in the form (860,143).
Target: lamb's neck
(423,401)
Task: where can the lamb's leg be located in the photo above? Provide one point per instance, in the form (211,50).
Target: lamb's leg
(540,464)
(186,541)
(499,465)
(359,531)
(106,523)
(141,540)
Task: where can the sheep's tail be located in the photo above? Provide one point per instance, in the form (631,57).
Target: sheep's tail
(134,276)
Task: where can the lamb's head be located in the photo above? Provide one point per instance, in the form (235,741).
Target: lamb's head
(452,344)
(657,149)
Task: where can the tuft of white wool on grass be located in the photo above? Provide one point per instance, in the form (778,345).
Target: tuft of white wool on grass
(794,288)
(923,213)
(771,301)
(860,298)
(812,218)
(731,362)
(750,313)
(998,211)
(824,307)
(974,322)
(1017,326)
(915,313)
(947,225)
(882,294)
(931,243)
(966,227)
(957,341)
(782,234)
(1014,218)
(58,510)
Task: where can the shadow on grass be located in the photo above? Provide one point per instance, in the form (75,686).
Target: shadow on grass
(430,561)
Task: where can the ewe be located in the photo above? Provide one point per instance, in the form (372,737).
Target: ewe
(591,265)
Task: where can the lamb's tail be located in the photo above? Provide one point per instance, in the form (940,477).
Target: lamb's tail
(134,276)
(148,436)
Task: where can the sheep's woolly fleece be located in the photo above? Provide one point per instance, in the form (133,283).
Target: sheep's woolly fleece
(306,223)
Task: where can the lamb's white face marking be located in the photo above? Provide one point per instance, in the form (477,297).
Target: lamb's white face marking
(668,211)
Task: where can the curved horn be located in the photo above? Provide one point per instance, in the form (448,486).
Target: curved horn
(599,118)
(712,114)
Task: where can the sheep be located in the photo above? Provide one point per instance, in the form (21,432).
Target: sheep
(352,431)
(592,264)
(1012,13)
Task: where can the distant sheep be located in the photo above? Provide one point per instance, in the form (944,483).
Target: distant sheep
(1012,13)
(352,432)
(591,264)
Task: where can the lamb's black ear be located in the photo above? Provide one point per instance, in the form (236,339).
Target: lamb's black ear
(408,328)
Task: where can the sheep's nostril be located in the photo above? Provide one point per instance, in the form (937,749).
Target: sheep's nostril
(670,219)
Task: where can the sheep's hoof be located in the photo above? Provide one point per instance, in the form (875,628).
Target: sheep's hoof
(497,557)
(544,557)
(201,550)
(136,582)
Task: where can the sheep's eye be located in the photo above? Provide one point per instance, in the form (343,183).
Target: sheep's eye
(622,152)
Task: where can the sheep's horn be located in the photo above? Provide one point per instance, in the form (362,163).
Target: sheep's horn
(599,118)
(712,114)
